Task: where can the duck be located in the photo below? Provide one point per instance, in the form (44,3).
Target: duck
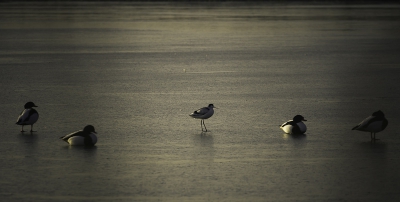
(85,137)
(28,116)
(203,113)
(295,126)
(373,124)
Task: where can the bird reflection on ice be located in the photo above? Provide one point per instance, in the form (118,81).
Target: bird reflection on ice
(28,138)
(377,147)
(204,140)
(297,140)
(287,136)
(204,147)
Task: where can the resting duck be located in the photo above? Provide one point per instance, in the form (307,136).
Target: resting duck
(295,126)
(86,137)
(373,124)
(28,117)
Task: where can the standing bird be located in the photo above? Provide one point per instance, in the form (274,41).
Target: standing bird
(203,113)
(28,117)
(373,124)
(295,126)
(86,137)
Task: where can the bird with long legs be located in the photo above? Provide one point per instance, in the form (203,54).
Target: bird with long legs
(203,113)
(373,124)
(28,116)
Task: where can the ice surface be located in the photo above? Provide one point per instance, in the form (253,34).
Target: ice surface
(136,71)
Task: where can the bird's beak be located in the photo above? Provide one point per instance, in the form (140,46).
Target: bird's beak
(304,120)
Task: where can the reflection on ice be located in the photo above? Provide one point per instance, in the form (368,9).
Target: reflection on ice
(287,136)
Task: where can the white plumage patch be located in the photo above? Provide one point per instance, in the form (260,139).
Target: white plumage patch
(76,141)
(287,128)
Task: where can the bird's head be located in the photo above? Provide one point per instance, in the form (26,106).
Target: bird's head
(298,118)
(378,113)
(89,129)
(29,105)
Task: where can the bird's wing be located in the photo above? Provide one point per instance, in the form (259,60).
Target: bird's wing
(288,123)
(23,116)
(364,124)
(202,111)
(76,133)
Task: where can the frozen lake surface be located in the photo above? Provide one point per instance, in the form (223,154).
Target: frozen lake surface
(136,71)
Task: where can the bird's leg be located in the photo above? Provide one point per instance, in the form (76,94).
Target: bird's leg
(204,126)
(32,128)
(374,137)
(202,123)
(22,130)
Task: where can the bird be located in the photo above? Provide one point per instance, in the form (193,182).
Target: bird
(373,124)
(28,116)
(203,113)
(85,137)
(295,126)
